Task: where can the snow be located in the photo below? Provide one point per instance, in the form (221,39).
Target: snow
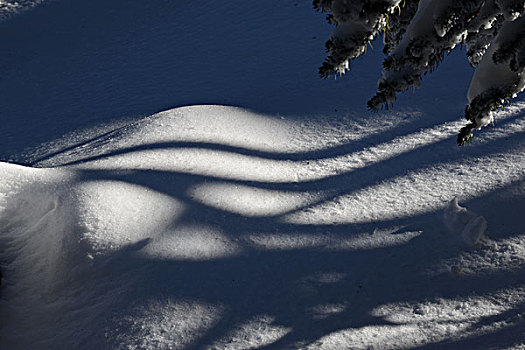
(262,207)
(491,75)
(461,221)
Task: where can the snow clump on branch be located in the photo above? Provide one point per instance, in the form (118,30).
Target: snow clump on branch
(418,34)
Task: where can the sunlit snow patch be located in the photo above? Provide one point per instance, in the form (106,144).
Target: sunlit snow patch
(114,214)
(191,242)
(256,333)
(327,310)
(246,200)
(117,214)
(415,193)
(427,322)
(216,129)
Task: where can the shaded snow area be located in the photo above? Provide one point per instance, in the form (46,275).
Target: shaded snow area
(262,208)
(218,228)
(9,8)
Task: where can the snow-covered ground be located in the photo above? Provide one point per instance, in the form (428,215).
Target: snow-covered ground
(263,208)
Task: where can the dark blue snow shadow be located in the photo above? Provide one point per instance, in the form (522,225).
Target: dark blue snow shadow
(288,285)
(72,64)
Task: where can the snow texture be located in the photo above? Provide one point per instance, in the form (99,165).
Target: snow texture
(459,220)
(262,208)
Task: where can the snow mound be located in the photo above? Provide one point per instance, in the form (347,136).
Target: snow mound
(217,227)
(462,221)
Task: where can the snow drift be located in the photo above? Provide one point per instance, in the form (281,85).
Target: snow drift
(297,220)
(215,227)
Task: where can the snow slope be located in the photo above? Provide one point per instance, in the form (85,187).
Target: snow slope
(60,74)
(290,219)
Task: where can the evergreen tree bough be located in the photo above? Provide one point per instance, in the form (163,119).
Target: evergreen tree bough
(419,33)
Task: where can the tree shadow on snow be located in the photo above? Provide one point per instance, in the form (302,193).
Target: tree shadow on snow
(298,286)
(508,335)
(150,60)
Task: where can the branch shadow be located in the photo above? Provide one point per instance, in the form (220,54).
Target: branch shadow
(291,285)
(295,286)
(74,76)
(509,335)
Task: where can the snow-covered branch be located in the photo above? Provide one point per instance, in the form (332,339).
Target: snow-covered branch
(418,34)
(357,24)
